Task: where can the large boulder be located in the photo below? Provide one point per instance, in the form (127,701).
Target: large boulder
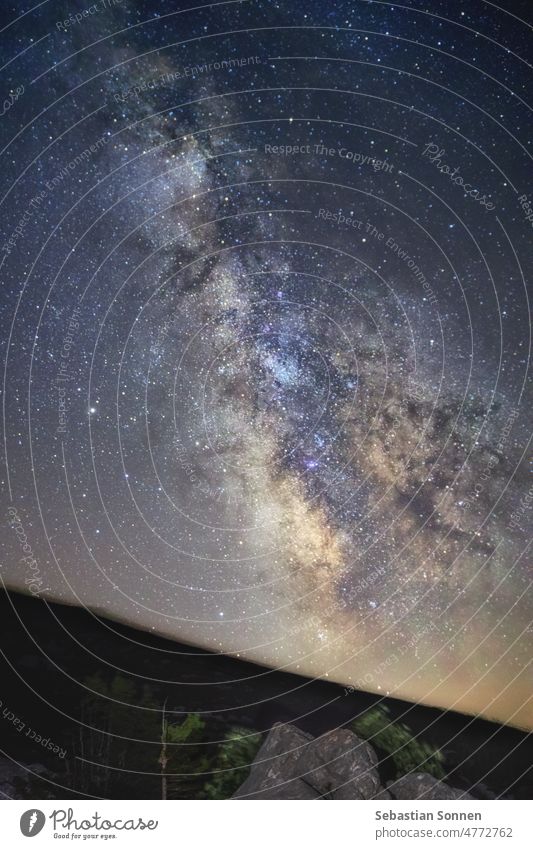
(274,773)
(341,766)
(293,765)
(421,785)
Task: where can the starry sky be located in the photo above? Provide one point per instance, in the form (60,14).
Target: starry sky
(266,333)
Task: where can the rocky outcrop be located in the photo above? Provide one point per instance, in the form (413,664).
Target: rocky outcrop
(342,766)
(421,785)
(274,773)
(293,765)
(338,765)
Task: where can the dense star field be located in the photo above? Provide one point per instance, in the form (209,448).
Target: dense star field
(267,333)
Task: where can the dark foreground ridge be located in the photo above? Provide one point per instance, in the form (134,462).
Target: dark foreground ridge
(81,718)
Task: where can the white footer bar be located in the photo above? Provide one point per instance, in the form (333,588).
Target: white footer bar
(267,825)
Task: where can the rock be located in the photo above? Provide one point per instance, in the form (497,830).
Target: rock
(293,765)
(382,794)
(294,789)
(341,765)
(274,773)
(421,785)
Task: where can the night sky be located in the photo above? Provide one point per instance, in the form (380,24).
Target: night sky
(266,333)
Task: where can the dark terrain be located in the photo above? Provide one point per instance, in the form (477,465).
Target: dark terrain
(58,661)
